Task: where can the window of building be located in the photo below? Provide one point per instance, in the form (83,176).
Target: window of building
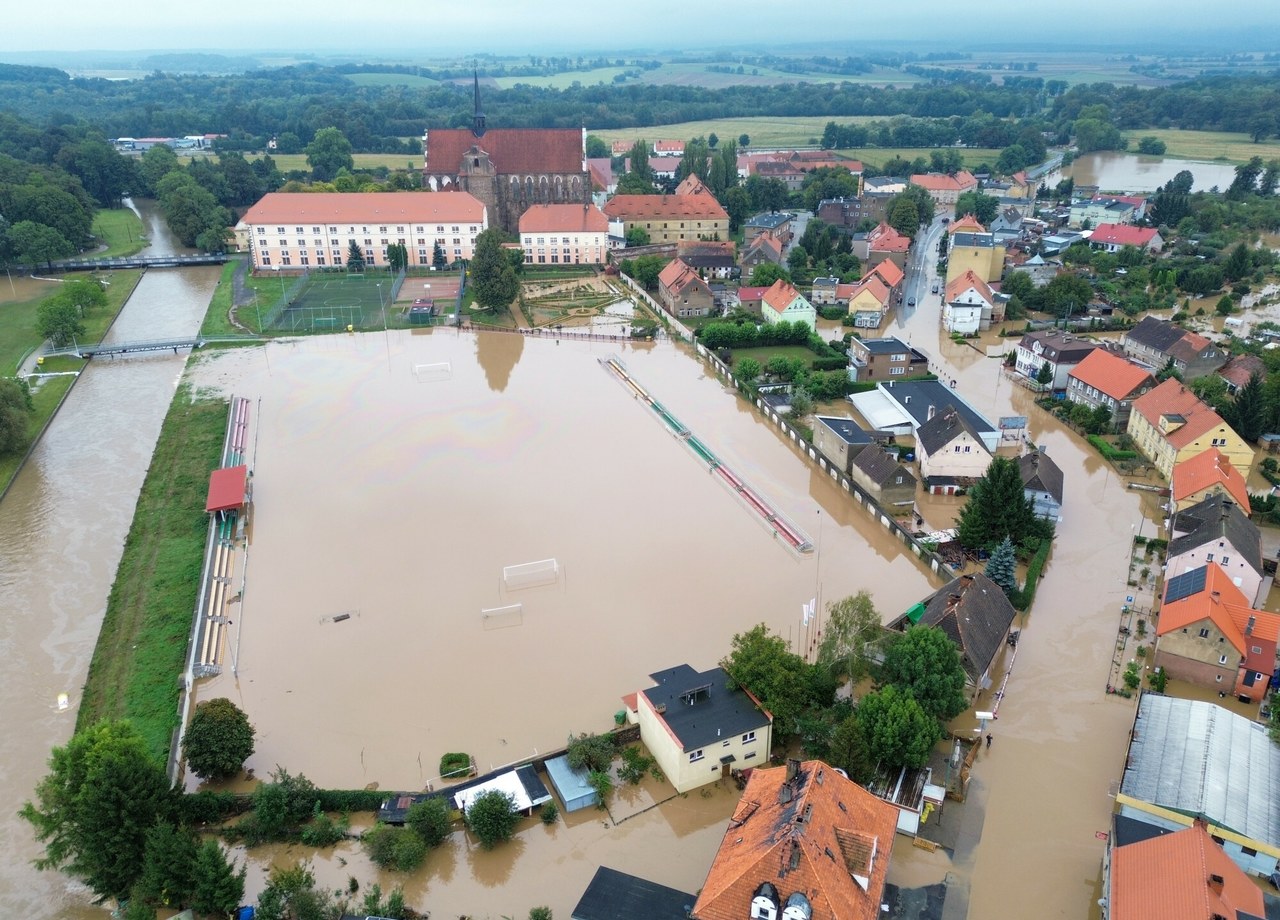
(315,229)
(1204,633)
(724,743)
(262,231)
(368,241)
(302,243)
(457,252)
(320,260)
(1248,851)
(1222,659)
(303,259)
(455,229)
(1208,557)
(748,737)
(897,357)
(695,756)
(1226,560)
(284,259)
(1257,650)
(284,242)
(966,448)
(297,229)
(279,229)
(266,258)
(457,241)
(333,229)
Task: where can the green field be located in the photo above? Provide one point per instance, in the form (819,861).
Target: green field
(696,74)
(876,156)
(1207,145)
(763,130)
(120,230)
(290,161)
(562,80)
(391,79)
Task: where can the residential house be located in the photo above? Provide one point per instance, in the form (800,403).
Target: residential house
(614,895)
(878,471)
(881,243)
(848,213)
(712,259)
(1153,342)
(1190,759)
(670,218)
(885,359)
(968,223)
(1217,531)
(1102,209)
(840,440)
(751,299)
(668,148)
(1181,875)
(1008,224)
(664,168)
(977,252)
(783,303)
(296,232)
(682,292)
(885,185)
(902,406)
(1114,237)
(692,185)
(569,234)
(763,249)
(1040,270)
(1210,635)
(825,292)
(976,615)
(698,729)
(804,842)
(1104,378)
(1061,351)
(1239,369)
(773,224)
(621,148)
(946,189)
(603,182)
(869,300)
(969,305)
(951,453)
(1205,475)
(1170,424)
(1041,483)
(791,175)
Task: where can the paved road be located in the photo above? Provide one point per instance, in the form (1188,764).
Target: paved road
(921,272)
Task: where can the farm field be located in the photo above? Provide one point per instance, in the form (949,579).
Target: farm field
(876,156)
(391,79)
(696,74)
(289,161)
(1207,145)
(765,131)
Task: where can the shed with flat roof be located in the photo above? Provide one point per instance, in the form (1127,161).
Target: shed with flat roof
(571,785)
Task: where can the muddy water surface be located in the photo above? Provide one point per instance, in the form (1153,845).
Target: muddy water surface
(62,527)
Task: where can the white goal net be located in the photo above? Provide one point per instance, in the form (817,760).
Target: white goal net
(530,574)
(432,373)
(502,617)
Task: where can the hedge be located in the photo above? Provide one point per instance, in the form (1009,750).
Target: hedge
(1111,453)
(201,808)
(1034,567)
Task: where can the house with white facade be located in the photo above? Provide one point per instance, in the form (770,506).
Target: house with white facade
(782,303)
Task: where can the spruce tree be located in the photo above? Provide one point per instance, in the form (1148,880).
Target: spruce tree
(493,280)
(1248,413)
(219,888)
(1001,567)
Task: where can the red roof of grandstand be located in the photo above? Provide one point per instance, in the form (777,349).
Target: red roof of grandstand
(563,218)
(537,151)
(226,488)
(365,207)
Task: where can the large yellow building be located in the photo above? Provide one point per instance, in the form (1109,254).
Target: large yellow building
(671,218)
(977,252)
(1170,425)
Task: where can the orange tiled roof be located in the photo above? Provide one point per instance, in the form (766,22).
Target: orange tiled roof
(1223,604)
(365,208)
(781,295)
(676,276)
(886,239)
(1123,235)
(966,281)
(1240,368)
(751,293)
(1110,373)
(819,835)
(969,224)
(563,218)
(941,182)
(640,207)
(535,151)
(872,284)
(1204,470)
(1172,877)
(1173,398)
(888,271)
(692,185)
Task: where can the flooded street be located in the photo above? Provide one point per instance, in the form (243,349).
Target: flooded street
(62,528)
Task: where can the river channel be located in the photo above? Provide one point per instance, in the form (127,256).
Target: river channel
(399,495)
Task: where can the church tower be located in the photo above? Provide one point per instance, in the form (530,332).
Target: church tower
(477,119)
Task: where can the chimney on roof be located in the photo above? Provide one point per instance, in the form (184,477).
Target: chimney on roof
(793,768)
(1215,596)
(932,411)
(1216,883)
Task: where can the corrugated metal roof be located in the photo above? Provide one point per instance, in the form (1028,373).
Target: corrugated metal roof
(1200,759)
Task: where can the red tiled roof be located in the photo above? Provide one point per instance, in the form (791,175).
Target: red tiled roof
(668,146)
(1122,235)
(751,293)
(1173,398)
(511,150)
(692,185)
(763,241)
(888,271)
(1240,368)
(641,207)
(941,182)
(886,239)
(870,283)
(1111,374)
(1172,877)
(1204,470)
(563,218)
(968,223)
(966,281)
(676,276)
(818,834)
(365,208)
(781,295)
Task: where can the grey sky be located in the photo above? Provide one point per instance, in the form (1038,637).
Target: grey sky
(547,26)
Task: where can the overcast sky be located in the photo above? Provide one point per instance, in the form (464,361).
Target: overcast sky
(543,26)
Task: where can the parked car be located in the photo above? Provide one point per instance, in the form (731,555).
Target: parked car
(911,302)
(935,287)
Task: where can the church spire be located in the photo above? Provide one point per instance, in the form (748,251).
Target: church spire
(477,123)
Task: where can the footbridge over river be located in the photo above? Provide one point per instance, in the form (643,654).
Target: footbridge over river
(124,348)
(89,265)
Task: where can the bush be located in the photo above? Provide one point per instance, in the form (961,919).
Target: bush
(602,783)
(1111,453)
(323,831)
(1131,677)
(549,813)
(347,800)
(492,818)
(590,751)
(455,763)
(218,740)
(395,848)
(430,821)
(634,765)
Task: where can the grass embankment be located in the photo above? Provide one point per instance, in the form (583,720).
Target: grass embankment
(217,319)
(18,337)
(142,647)
(120,230)
(1206,145)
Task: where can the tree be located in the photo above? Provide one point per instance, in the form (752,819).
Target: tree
(1151,146)
(1247,415)
(438,259)
(801,404)
(219,888)
(596,147)
(1002,567)
(58,320)
(33,244)
(1262,126)
(397,256)
(493,280)
(430,821)
(925,663)
(766,273)
(746,370)
(744,140)
(895,728)
(86,295)
(219,739)
(590,752)
(637,235)
(400,849)
(281,804)
(168,866)
(544,913)
(94,808)
(291,894)
(782,680)
(1246,180)
(997,508)
(797,259)
(983,207)
(638,164)
(1044,376)
(355,257)
(712,140)
(848,750)
(903,216)
(328,152)
(15,410)
(1066,294)
(1238,264)
(852,627)
(492,817)
(635,184)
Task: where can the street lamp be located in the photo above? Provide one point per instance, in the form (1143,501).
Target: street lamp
(276,269)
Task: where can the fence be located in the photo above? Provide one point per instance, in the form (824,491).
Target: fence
(287,296)
(678,327)
(927,556)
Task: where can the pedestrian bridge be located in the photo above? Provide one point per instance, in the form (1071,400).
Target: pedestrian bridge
(124,348)
(88,265)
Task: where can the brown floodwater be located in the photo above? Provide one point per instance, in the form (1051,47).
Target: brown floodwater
(1111,171)
(62,528)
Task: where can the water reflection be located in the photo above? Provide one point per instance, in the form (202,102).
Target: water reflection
(498,353)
